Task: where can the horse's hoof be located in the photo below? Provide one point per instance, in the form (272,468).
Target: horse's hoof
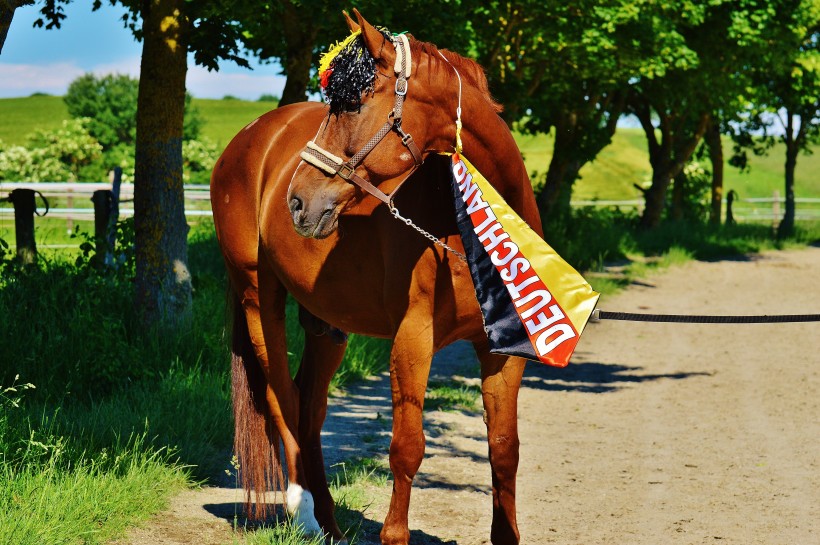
(300,507)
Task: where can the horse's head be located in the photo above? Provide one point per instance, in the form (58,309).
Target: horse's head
(366,136)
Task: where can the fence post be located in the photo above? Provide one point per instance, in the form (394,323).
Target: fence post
(102,213)
(776,208)
(114,216)
(730,199)
(23,201)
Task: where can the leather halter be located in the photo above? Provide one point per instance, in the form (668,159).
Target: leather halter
(329,163)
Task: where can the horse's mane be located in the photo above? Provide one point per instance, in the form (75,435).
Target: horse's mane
(347,71)
(470,70)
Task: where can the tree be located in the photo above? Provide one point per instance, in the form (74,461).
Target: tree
(704,89)
(110,102)
(169,29)
(566,68)
(296,32)
(51,10)
(790,88)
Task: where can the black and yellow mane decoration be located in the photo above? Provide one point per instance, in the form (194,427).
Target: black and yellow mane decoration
(346,72)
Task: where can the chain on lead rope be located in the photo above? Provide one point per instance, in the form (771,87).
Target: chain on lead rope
(429,236)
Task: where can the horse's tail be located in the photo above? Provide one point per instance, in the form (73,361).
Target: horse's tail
(256,439)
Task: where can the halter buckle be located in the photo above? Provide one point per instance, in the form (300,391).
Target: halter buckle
(401,86)
(345,171)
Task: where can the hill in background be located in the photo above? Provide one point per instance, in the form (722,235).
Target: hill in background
(611,176)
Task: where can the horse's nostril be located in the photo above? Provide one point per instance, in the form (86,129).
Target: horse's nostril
(295,204)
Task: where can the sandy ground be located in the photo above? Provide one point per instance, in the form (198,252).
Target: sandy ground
(655,434)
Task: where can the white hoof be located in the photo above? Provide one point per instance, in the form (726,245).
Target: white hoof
(300,507)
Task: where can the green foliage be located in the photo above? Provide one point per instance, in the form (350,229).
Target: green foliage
(52,155)
(267,97)
(110,102)
(57,487)
(198,160)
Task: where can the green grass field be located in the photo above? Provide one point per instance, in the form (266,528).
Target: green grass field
(610,177)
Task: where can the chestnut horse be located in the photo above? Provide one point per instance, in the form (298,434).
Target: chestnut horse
(285,226)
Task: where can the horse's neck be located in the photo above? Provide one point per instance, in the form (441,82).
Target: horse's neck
(490,147)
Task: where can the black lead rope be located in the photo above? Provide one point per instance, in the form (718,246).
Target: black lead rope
(598,315)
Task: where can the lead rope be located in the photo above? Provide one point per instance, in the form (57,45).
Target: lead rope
(598,315)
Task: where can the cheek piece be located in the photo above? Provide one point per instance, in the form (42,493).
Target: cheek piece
(333,165)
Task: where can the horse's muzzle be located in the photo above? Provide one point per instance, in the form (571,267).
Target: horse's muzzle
(319,223)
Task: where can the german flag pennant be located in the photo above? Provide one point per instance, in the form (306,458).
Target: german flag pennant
(535,305)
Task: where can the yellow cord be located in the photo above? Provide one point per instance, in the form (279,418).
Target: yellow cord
(327,58)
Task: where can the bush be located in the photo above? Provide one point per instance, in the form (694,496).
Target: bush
(111,103)
(64,154)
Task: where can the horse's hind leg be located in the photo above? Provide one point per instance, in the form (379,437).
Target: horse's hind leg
(500,381)
(320,360)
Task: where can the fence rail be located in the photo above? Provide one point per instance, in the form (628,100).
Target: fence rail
(69,195)
(751,209)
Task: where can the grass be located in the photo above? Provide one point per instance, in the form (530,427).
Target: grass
(120,419)
(451,396)
(225,118)
(56,486)
(19,117)
(625,162)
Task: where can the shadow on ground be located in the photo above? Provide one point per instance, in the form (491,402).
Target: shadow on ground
(365,530)
(595,378)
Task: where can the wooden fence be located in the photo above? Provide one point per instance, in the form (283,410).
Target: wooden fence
(752,209)
(70,201)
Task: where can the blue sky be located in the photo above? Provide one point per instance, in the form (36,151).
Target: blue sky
(39,60)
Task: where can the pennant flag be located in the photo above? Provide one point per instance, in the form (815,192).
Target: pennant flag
(535,305)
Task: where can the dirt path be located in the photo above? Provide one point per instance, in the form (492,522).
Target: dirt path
(656,434)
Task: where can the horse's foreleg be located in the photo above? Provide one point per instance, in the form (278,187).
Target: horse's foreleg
(500,381)
(320,360)
(409,369)
(283,395)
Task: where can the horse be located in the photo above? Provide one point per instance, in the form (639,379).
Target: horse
(287,227)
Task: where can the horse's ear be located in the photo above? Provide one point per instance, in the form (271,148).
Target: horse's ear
(351,24)
(380,47)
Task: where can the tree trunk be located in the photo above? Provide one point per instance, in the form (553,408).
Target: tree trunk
(667,161)
(679,196)
(163,283)
(559,167)
(786,227)
(655,198)
(7,8)
(299,41)
(715,144)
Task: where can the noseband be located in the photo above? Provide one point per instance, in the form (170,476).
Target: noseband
(329,163)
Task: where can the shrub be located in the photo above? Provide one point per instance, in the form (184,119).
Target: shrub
(63,154)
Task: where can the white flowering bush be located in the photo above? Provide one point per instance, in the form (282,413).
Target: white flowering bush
(51,155)
(198,160)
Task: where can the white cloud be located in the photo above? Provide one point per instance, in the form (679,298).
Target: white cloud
(129,66)
(248,85)
(18,80)
(24,79)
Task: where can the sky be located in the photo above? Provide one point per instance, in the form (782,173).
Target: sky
(47,61)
